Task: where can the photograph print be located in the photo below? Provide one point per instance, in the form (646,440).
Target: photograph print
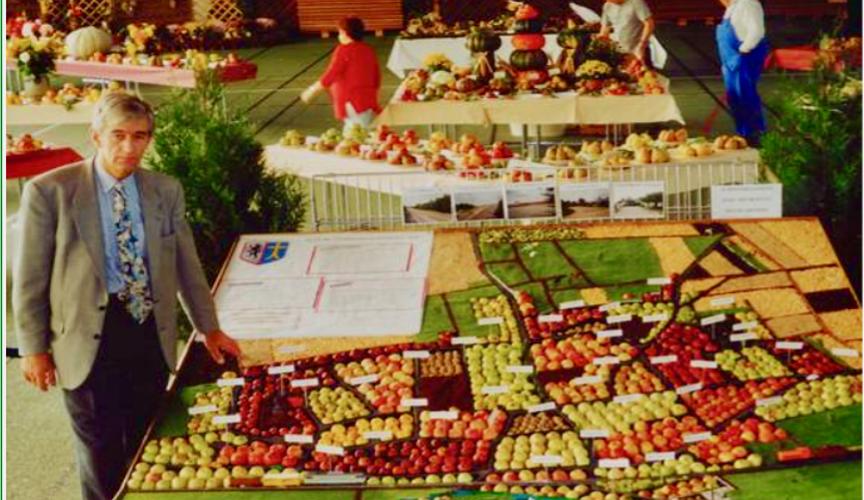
(531,201)
(427,206)
(484,203)
(638,200)
(585,201)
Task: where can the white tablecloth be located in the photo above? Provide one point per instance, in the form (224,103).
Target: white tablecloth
(408,54)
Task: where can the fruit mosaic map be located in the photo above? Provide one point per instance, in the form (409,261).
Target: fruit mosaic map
(667,360)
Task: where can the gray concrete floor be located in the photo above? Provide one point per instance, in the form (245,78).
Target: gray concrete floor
(39,447)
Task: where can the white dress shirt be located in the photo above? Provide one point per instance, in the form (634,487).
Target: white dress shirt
(748,22)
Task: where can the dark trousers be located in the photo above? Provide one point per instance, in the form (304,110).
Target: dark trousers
(111,409)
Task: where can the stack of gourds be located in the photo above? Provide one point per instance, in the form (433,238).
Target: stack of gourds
(573,41)
(483,42)
(528,58)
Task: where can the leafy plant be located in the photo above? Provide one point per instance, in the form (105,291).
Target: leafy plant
(213,151)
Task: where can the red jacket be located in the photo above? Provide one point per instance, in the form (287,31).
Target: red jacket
(353,76)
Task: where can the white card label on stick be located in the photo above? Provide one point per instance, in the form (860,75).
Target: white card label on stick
(305,382)
(628,398)
(614,463)
(655,318)
(416,354)
(713,320)
(443,415)
(747,201)
(769,401)
(573,304)
(330,450)
(703,364)
(586,380)
(594,433)
(845,353)
(621,318)
(606,360)
(414,402)
(740,327)
(659,281)
(198,410)
(547,459)
(687,389)
(520,369)
(660,457)
(299,438)
(495,389)
(463,340)
(227,419)
(497,320)
(378,435)
(366,379)
(608,334)
(663,360)
(550,318)
(279,370)
(789,346)
(231,382)
(743,337)
(723,301)
(697,437)
(542,407)
(610,306)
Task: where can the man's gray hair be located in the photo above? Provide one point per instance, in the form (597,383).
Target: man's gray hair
(119,107)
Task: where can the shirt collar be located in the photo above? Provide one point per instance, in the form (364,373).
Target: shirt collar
(108,181)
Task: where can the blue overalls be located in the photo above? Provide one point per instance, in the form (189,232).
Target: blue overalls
(741,74)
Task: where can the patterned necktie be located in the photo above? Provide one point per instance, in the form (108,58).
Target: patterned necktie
(136,293)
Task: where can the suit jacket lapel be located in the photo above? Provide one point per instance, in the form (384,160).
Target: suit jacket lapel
(151,207)
(87,219)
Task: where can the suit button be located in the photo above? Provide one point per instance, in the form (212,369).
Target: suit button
(96,336)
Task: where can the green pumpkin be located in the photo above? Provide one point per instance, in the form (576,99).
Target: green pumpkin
(570,39)
(528,25)
(524,60)
(482,41)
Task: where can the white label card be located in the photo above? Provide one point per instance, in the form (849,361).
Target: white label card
(723,301)
(367,379)
(227,419)
(279,370)
(713,320)
(789,346)
(614,463)
(606,360)
(414,402)
(845,353)
(378,435)
(574,304)
(497,320)
(231,382)
(628,398)
(740,327)
(330,450)
(697,437)
(608,334)
(495,389)
(542,407)
(687,389)
(550,318)
(769,401)
(594,433)
(443,415)
(747,201)
(663,360)
(547,459)
(655,318)
(305,382)
(416,354)
(464,340)
(660,457)
(520,369)
(198,410)
(703,364)
(586,380)
(623,318)
(299,438)
(659,281)
(610,306)
(743,337)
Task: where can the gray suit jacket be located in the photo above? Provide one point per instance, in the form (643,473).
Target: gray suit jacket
(60,293)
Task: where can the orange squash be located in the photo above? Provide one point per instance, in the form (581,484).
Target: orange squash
(528,41)
(526,11)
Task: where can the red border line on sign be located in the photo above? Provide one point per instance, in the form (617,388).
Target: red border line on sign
(311,260)
(410,256)
(318,295)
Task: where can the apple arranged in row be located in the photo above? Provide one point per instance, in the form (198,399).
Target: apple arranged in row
(681,465)
(727,447)
(655,437)
(814,396)
(365,431)
(636,379)
(384,381)
(621,415)
(717,405)
(483,425)
(417,457)
(524,452)
(685,343)
(497,307)
(808,361)
(493,384)
(752,363)
(431,479)
(591,386)
(579,351)
(441,364)
(221,398)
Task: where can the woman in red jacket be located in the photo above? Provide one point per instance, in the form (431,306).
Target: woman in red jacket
(353,77)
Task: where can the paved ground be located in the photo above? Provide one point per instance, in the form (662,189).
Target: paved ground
(38,443)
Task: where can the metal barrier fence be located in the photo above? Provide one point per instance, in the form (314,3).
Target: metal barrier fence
(373,200)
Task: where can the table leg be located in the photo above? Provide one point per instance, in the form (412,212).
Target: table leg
(537,144)
(524,140)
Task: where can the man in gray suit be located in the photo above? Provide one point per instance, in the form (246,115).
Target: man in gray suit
(105,249)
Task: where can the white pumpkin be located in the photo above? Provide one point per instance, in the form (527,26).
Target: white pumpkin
(442,78)
(83,43)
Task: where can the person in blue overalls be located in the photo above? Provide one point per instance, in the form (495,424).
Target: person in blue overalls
(742,47)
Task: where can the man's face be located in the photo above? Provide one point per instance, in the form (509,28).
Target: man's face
(122,145)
